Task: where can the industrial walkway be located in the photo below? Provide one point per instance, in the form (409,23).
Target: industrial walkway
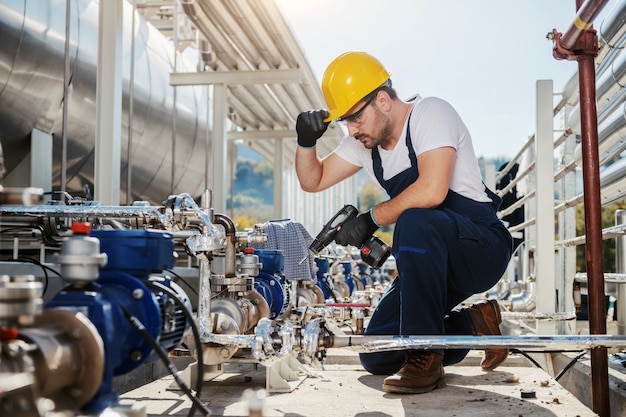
(343,389)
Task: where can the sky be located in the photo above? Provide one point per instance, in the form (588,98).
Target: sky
(482,56)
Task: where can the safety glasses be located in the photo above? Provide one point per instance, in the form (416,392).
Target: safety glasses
(355,117)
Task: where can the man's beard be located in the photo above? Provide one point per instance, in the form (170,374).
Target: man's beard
(382,124)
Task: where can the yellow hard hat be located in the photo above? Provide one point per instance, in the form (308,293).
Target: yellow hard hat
(348,79)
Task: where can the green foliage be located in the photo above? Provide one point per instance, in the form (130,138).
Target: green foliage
(608,245)
(370,194)
(243,222)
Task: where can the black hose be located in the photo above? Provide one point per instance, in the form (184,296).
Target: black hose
(162,354)
(527,356)
(43,267)
(179,278)
(562,372)
(570,364)
(196,336)
(330,290)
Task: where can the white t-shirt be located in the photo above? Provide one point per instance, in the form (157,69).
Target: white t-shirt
(434,124)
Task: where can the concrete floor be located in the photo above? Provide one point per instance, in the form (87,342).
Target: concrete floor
(343,388)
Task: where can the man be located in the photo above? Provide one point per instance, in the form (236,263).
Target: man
(448,242)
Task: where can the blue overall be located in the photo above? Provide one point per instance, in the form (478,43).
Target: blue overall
(443,256)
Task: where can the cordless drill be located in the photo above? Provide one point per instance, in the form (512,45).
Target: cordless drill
(374,251)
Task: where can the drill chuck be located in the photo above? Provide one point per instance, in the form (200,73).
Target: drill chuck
(374,252)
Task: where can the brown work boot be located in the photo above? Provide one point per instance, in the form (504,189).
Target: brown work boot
(422,372)
(486,319)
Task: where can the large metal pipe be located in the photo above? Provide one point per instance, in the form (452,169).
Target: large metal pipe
(381,343)
(580,43)
(593,226)
(523,342)
(32,54)
(582,22)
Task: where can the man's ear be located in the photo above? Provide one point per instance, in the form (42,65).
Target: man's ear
(383,100)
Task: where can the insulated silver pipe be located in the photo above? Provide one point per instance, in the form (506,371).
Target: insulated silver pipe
(510,315)
(143,212)
(368,344)
(620,267)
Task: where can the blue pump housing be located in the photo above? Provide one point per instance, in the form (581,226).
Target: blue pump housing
(271,282)
(347,275)
(324,278)
(124,284)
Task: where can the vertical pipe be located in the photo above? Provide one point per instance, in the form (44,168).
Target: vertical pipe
(131,110)
(593,227)
(66,80)
(620,268)
(109,76)
(176,28)
(205,324)
(567,226)
(207,141)
(219,147)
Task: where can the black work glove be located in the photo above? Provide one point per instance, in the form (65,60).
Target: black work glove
(357,231)
(310,126)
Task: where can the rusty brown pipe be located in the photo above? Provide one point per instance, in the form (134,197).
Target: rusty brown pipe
(582,22)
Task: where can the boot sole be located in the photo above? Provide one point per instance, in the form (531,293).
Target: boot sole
(408,390)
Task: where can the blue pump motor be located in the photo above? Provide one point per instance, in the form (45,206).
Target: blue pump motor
(271,282)
(347,275)
(324,277)
(124,287)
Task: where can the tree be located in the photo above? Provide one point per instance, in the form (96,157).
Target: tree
(608,245)
(370,195)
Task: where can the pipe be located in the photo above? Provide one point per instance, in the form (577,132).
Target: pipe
(131,110)
(620,268)
(617,278)
(205,322)
(582,22)
(66,82)
(509,315)
(540,343)
(148,213)
(593,208)
(525,300)
(382,343)
(230,259)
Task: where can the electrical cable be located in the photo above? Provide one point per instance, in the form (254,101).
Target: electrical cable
(43,267)
(329,289)
(179,278)
(196,336)
(527,356)
(570,364)
(565,369)
(162,354)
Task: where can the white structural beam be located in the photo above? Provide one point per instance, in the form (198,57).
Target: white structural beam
(545,256)
(279,169)
(248,135)
(41,160)
(219,149)
(236,77)
(109,103)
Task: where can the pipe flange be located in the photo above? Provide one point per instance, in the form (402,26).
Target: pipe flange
(20,299)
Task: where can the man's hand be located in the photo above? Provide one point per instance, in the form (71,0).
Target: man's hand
(310,126)
(356,231)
